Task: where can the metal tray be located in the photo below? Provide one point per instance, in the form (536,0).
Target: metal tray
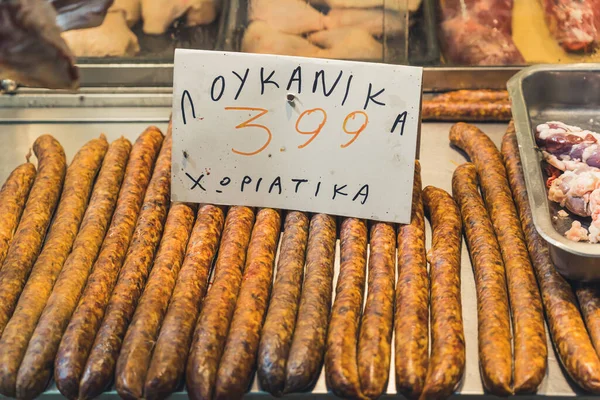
(570,94)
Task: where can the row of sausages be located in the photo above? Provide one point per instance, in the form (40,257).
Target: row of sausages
(104,280)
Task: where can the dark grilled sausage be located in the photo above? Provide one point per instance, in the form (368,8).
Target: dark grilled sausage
(239,356)
(308,345)
(214,320)
(35,220)
(493,315)
(170,354)
(73,202)
(277,333)
(142,333)
(447,363)
(79,336)
(564,320)
(36,367)
(100,366)
(13,197)
(530,348)
(374,345)
(588,295)
(341,368)
(411,320)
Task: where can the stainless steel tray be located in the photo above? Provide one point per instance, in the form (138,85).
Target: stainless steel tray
(570,94)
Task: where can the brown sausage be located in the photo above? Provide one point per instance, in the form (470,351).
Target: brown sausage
(530,348)
(36,367)
(411,320)
(141,335)
(447,363)
(170,354)
(308,345)
(36,217)
(589,301)
(80,333)
(239,356)
(465,111)
(100,366)
(13,196)
(564,320)
(276,336)
(73,202)
(341,368)
(374,345)
(493,315)
(214,320)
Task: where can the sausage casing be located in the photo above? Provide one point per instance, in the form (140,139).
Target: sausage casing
(411,321)
(308,344)
(374,345)
(35,220)
(278,330)
(78,185)
(100,366)
(239,355)
(564,320)
(589,302)
(36,367)
(170,354)
(447,363)
(341,368)
(79,335)
(214,320)
(13,197)
(493,315)
(530,347)
(141,335)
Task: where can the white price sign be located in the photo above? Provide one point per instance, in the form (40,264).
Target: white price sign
(307,134)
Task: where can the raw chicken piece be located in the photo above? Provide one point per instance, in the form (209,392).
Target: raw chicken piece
(78,14)
(111,39)
(31,49)
(158,15)
(577,232)
(202,12)
(131,8)
(571,22)
(261,38)
(289,16)
(399,5)
(348,44)
(373,20)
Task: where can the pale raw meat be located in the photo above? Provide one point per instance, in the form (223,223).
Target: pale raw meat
(289,16)
(131,8)
(348,44)
(159,15)
(111,39)
(577,233)
(376,21)
(202,12)
(413,5)
(262,38)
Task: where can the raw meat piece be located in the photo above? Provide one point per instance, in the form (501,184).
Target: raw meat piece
(158,15)
(565,146)
(348,43)
(111,39)
(131,8)
(31,49)
(595,4)
(78,14)
(471,43)
(577,233)
(261,38)
(413,5)
(491,13)
(373,20)
(289,16)
(571,22)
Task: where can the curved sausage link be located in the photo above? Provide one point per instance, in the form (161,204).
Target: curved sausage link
(411,320)
(277,333)
(493,315)
(36,367)
(564,320)
(447,363)
(530,344)
(341,368)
